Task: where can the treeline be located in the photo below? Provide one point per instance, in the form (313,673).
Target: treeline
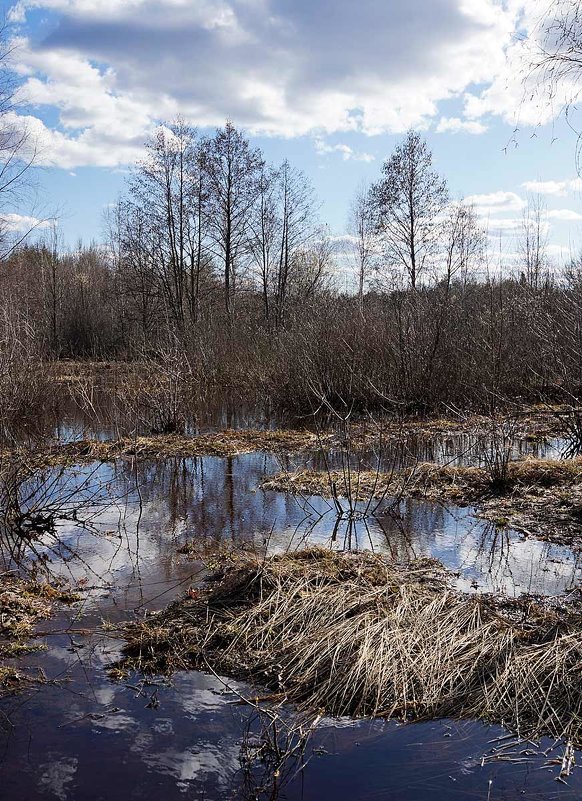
(216,264)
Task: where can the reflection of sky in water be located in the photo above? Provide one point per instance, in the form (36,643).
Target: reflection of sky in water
(139,516)
(190,747)
(88,738)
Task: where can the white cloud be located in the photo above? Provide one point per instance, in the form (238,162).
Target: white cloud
(113,68)
(520,93)
(22,223)
(567,215)
(504,226)
(347,153)
(559,253)
(496,203)
(97,126)
(456,125)
(93,146)
(558,188)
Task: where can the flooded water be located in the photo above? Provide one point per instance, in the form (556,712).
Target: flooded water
(118,530)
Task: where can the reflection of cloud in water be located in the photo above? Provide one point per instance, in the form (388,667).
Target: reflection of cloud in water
(56,775)
(191,743)
(205,760)
(486,558)
(153,507)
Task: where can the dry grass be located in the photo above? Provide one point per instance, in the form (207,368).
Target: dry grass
(534,423)
(439,482)
(69,371)
(22,604)
(542,497)
(355,634)
(161,446)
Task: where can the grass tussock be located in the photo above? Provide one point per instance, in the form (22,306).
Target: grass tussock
(356,634)
(160,446)
(22,604)
(432,480)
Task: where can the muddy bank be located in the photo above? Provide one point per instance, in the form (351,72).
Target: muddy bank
(23,603)
(356,634)
(542,497)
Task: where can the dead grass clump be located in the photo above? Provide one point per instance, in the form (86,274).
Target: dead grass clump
(355,634)
(22,604)
(434,481)
(160,446)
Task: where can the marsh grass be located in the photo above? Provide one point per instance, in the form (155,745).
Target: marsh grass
(446,482)
(355,634)
(23,602)
(228,442)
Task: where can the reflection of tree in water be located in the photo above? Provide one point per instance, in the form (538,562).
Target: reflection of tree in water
(411,532)
(35,504)
(212,499)
(274,751)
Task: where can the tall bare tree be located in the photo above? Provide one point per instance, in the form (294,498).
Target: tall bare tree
(233,169)
(409,201)
(297,220)
(464,243)
(533,242)
(361,228)
(264,235)
(162,187)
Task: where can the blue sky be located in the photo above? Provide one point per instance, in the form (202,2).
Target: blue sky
(330,84)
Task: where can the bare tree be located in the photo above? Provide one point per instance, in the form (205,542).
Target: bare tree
(162,188)
(51,280)
(134,245)
(313,268)
(533,242)
(264,234)
(283,224)
(409,201)
(233,169)
(464,242)
(297,216)
(361,228)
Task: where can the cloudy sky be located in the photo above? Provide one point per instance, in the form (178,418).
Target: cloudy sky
(331,84)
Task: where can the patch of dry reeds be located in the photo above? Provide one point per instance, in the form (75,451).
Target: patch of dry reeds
(22,604)
(355,634)
(438,482)
(162,446)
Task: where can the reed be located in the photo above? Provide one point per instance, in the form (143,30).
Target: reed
(356,634)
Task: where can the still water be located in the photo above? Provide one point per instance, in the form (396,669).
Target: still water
(82,736)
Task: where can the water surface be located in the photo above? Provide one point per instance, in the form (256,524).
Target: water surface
(118,530)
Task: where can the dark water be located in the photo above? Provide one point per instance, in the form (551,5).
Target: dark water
(82,736)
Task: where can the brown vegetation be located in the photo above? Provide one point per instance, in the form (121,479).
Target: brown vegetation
(542,497)
(22,604)
(534,423)
(248,302)
(162,446)
(357,634)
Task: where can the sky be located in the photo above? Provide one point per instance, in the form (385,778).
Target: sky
(332,85)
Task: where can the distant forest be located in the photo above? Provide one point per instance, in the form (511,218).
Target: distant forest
(217,261)
(217,270)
